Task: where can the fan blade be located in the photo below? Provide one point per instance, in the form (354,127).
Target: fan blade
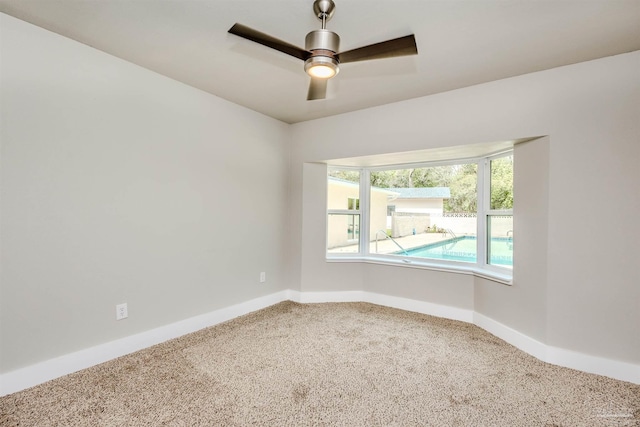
(397,47)
(266,40)
(317,89)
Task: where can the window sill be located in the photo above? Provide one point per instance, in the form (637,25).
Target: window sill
(497,276)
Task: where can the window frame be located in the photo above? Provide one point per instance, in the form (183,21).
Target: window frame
(357,212)
(487,212)
(480,268)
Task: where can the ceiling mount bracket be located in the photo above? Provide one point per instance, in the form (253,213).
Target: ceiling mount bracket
(324,10)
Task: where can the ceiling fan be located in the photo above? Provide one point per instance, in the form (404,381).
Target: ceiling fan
(321,57)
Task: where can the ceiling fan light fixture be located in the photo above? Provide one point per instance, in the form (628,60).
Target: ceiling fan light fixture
(321,67)
(322,45)
(322,55)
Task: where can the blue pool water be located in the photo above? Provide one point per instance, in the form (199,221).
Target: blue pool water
(465,249)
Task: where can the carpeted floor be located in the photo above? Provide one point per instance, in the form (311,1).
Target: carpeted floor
(337,364)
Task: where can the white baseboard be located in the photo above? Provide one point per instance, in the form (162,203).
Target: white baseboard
(557,356)
(446,311)
(513,337)
(39,373)
(318,297)
(623,371)
(30,376)
(406,304)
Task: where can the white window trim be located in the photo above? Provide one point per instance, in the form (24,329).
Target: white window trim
(347,211)
(480,268)
(487,211)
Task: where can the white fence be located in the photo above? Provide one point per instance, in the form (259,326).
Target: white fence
(461,225)
(404,224)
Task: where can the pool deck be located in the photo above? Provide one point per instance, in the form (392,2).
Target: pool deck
(386,246)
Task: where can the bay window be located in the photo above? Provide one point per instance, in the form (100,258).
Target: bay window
(452,215)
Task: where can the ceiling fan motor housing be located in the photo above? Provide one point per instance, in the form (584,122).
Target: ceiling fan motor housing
(322,40)
(323,45)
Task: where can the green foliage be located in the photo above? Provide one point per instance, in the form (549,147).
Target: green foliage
(461,179)
(464,194)
(412,178)
(502,183)
(347,175)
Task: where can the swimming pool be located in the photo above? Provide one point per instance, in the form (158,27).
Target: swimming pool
(465,249)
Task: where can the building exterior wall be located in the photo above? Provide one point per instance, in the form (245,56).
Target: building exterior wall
(339,193)
(419,205)
(406,224)
(339,226)
(459,225)
(379,201)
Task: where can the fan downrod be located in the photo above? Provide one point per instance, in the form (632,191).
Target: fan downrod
(323,10)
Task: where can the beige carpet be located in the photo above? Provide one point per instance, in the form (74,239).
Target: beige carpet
(344,364)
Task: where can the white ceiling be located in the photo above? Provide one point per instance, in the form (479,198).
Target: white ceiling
(460,43)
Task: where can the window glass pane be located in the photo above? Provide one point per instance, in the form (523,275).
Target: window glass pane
(353,204)
(426,212)
(500,244)
(502,183)
(343,233)
(343,190)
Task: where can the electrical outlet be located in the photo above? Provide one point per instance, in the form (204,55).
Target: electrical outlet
(263,277)
(121,311)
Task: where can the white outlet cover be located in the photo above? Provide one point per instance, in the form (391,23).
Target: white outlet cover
(122,311)
(263,277)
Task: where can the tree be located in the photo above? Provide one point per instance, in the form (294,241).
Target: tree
(347,175)
(502,183)
(463,187)
(461,179)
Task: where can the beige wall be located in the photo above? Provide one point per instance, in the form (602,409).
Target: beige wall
(338,194)
(121,185)
(379,201)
